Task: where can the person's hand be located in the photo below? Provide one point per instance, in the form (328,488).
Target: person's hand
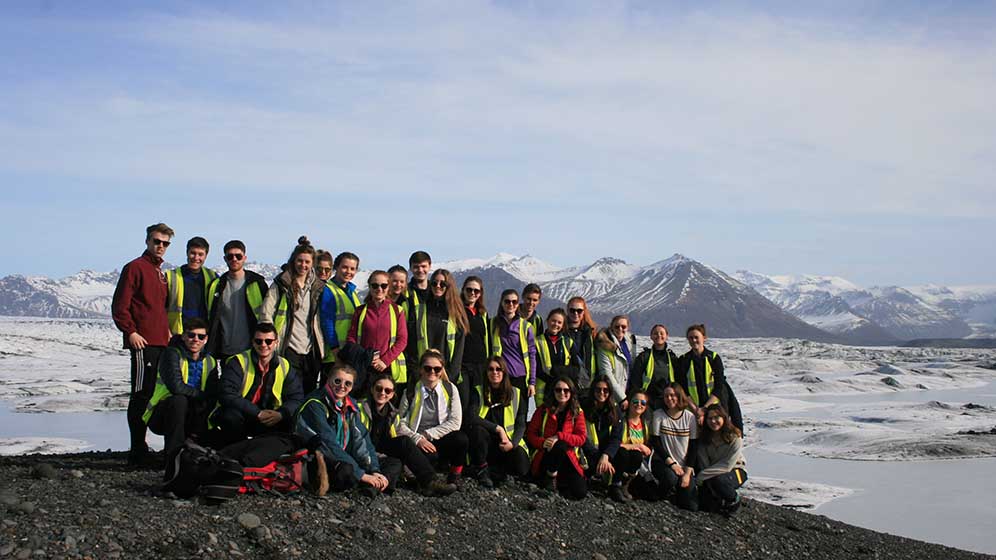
(505,444)
(532,390)
(378,364)
(700,415)
(604,465)
(376,480)
(686,478)
(425,445)
(624,405)
(269,418)
(137,341)
(642,448)
(549,442)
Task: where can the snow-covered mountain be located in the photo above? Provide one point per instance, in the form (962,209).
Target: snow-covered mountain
(590,282)
(526,268)
(975,304)
(904,315)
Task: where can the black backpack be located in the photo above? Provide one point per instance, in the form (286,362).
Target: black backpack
(202,471)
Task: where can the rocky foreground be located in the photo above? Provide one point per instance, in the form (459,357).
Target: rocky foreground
(88,506)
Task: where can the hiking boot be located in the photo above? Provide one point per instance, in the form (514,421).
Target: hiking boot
(321,480)
(484,479)
(436,488)
(142,458)
(455,479)
(369,491)
(548,482)
(618,494)
(730,508)
(625,488)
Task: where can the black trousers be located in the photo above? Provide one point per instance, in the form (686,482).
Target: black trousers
(522,383)
(470,379)
(234,426)
(569,481)
(307,367)
(451,450)
(484,450)
(404,450)
(719,491)
(144,370)
(626,462)
(176,418)
(670,486)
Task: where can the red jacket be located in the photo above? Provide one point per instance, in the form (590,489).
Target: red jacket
(139,303)
(377,330)
(544,425)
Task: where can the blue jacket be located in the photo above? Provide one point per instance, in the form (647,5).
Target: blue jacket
(326,315)
(320,416)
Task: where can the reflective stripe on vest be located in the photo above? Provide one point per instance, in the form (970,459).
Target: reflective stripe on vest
(162,392)
(523,342)
(415,414)
(280,317)
(254,297)
(399,369)
(174,297)
(509,412)
(592,433)
(693,389)
(648,375)
(582,459)
(345,306)
(249,374)
(365,411)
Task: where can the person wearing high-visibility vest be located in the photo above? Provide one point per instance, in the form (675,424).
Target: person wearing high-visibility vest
(186,390)
(616,349)
(555,434)
(512,338)
(721,462)
(495,427)
(338,303)
(529,307)
(431,415)
(380,328)
(477,343)
(581,329)
(324,265)
(601,414)
(701,374)
(629,446)
(380,416)
(673,433)
(416,294)
(331,415)
(291,305)
(260,391)
(234,302)
(186,286)
(654,368)
(554,354)
(442,323)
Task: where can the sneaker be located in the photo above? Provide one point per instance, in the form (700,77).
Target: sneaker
(437,488)
(618,494)
(484,479)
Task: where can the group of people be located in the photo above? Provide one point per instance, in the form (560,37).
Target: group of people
(228,358)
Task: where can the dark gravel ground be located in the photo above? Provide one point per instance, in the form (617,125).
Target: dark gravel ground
(88,506)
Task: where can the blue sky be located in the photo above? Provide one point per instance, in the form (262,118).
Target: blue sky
(854,139)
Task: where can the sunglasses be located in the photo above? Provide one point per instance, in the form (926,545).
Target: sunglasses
(264,341)
(433,369)
(439,283)
(494,368)
(474,291)
(620,328)
(602,390)
(639,402)
(198,336)
(510,302)
(382,286)
(340,382)
(162,242)
(325,269)
(576,310)
(562,390)
(384,390)
(234,256)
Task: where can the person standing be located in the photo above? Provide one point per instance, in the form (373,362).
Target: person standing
(323,265)
(291,305)
(139,311)
(616,348)
(419,264)
(654,368)
(529,308)
(477,343)
(442,323)
(512,338)
(234,303)
(581,329)
(338,303)
(186,286)
(380,328)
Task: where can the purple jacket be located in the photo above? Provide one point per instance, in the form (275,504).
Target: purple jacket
(512,349)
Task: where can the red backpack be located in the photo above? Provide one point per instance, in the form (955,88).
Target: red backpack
(287,475)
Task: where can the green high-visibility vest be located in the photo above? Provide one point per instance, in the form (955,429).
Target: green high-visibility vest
(249,374)
(546,357)
(254,297)
(423,334)
(524,329)
(345,306)
(693,389)
(280,317)
(411,300)
(582,459)
(366,411)
(162,392)
(399,369)
(415,410)
(174,296)
(509,413)
(648,374)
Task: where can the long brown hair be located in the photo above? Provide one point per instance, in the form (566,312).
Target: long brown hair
(679,392)
(610,400)
(504,390)
(573,405)
(454,305)
(727,433)
(479,305)
(303,247)
(586,317)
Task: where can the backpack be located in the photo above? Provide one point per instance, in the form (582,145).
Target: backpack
(201,471)
(288,474)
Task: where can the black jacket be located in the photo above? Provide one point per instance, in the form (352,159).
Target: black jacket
(655,390)
(214,315)
(170,372)
(233,376)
